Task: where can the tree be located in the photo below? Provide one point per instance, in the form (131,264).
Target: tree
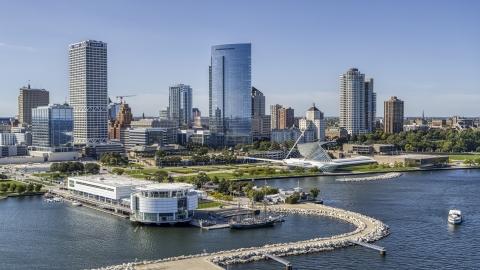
(30,188)
(159,176)
(223,186)
(3,176)
(118,171)
(298,170)
(160,153)
(54,167)
(38,187)
(215,180)
(313,169)
(203,178)
(20,189)
(13,187)
(3,188)
(170,179)
(314,192)
(92,168)
(201,151)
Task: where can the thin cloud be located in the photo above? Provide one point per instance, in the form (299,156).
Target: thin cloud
(18,47)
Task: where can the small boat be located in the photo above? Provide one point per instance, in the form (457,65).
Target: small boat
(57,199)
(455,217)
(75,203)
(48,196)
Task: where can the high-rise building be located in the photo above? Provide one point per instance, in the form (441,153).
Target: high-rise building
(314,121)
(180,105)
(357,102)
(28,99)
(196,112)
(230,101)
(274,115)
(88,91)
(123,120)
(260,122)
(52,125)
(165,113)
(286,118)
(393,115)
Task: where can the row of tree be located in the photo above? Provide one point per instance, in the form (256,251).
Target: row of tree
(433,140)
(70,167)
(20,188)
(113,159)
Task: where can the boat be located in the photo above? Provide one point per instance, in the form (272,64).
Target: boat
(76,203)
(253,223)
(48,196)
(455,217)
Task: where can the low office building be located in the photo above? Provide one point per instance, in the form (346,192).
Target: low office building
(163,203)
(368,149)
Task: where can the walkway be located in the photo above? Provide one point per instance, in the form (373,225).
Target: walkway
(201,263)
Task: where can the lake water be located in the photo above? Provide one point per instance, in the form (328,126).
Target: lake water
(39,235)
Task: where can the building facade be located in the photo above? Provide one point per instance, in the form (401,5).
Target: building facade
(147,136)
(29,99)
(118,130)
(163,203)
(260,127)
(286,118)
(88,91)
(274,115)
(52,125)
(180,105)
(393,115)
(314,121)
(357,102)
(230,102)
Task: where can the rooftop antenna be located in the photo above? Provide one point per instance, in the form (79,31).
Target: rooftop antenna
(28,84)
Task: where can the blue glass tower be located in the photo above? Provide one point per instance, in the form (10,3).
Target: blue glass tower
(230,100)
(52,125)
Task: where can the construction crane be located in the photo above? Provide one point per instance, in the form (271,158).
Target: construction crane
(121,98)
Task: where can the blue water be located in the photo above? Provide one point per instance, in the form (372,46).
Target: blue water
(415,207)
(39,235)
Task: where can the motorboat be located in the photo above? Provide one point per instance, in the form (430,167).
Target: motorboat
(76,203)
(455,217)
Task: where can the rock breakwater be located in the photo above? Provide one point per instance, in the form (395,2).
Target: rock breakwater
(370,178)
(367,230)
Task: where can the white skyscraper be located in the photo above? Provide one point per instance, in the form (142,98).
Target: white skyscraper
(357,102)
(88,91)
(180,105)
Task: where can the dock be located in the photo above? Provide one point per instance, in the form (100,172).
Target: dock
(288,265)
(382,250)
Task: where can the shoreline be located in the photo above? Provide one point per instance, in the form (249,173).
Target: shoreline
(367,229)
(355,173)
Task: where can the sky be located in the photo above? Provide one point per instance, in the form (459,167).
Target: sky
(427,53)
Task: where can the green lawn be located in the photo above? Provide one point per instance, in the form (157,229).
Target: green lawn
(461,157)
(41,182)
(365,168)
(208,205)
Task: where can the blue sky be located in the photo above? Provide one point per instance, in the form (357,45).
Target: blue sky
(424,52)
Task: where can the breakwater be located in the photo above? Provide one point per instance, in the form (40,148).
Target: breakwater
(367,230)
(370,178)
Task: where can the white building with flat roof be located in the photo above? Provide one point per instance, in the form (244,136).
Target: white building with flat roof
(150,202)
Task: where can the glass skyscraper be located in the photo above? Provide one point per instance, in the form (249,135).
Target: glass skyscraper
(52,125)
(230,101)
(180,105)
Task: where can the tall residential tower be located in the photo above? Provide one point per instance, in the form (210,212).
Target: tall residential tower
(88,91)
(357,102)
(230,101)
(180,105)
(393,115)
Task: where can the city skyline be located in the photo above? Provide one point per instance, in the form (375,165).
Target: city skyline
(419,51)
